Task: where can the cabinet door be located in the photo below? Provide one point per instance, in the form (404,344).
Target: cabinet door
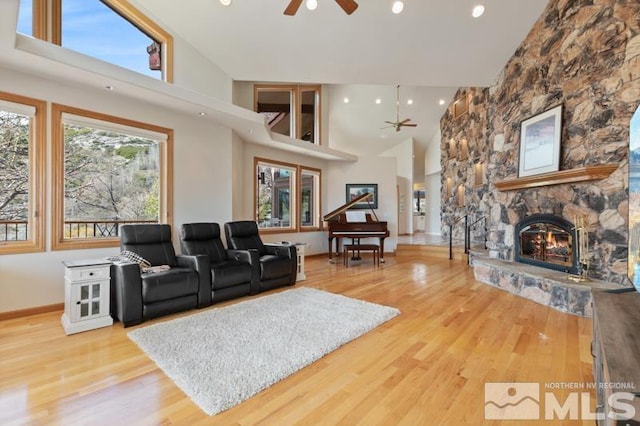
(89,300)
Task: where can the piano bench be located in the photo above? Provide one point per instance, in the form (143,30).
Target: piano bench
(358,248)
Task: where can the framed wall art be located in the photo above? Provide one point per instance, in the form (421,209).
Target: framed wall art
(540,143)
(354,190)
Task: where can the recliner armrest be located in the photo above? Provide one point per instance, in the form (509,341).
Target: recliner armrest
(282,250)
(250,256)
(200,263)
(126,288)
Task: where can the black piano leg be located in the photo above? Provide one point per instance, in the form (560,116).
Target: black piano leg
(355,256)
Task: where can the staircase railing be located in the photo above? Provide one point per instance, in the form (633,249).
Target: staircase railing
(451,225)
(467,236)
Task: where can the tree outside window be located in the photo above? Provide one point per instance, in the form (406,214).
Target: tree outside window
(21,174)
(111,173)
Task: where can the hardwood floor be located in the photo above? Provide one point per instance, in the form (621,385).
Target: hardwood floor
(427,366)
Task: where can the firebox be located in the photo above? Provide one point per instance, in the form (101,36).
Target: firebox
(547,240)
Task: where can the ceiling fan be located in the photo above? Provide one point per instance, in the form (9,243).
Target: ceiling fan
(349,6)
(399,124)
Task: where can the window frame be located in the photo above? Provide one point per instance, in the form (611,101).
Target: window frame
(37,181)
(296,197)
(317,226)
(165,214)
(293,210)
(45,20)
(296,91)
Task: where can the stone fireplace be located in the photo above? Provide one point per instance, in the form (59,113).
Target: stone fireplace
(548,241)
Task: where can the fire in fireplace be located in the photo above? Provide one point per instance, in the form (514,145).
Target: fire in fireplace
(547,240)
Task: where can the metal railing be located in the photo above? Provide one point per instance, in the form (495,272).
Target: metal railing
(18,230)
(14,230)
(97,229)
(468,227)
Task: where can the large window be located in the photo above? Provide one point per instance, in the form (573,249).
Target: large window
(108,171)
(287,196)
(292,111)
(110,30)
(22,122)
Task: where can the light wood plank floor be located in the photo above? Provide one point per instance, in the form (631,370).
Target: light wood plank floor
(427,366)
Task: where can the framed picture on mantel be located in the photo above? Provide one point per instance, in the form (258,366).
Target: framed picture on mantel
(540,143)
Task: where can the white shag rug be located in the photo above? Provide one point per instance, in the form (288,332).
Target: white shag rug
(223,356)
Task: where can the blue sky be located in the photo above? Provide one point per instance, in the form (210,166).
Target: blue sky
(92,28)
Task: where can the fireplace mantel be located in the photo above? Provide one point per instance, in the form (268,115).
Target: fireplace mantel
(580,174)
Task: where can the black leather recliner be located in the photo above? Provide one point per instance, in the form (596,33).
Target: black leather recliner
(278,263)
(138,296)
(232,271)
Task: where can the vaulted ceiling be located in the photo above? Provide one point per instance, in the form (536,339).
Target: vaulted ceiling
(430,49)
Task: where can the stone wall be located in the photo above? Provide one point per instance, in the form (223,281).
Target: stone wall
(585,55)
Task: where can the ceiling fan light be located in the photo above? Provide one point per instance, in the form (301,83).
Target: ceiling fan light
(477,11)
(312,4)
(225,2)
(397,7)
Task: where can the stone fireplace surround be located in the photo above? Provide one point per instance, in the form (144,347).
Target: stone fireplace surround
(545,286)
(585,56)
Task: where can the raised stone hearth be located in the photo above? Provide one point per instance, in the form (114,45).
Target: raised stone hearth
(544,286)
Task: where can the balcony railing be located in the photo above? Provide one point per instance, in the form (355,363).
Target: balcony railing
(17,230)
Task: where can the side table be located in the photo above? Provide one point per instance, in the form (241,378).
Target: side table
(86,295)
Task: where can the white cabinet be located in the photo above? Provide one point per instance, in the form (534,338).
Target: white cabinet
(86,295)
(419,223)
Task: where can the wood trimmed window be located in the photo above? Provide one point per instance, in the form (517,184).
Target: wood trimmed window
(22,201)
(310,196)
(290,110)
(48,25)
(89,202)
(286,197)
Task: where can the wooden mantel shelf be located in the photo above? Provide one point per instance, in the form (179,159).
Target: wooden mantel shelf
(581,174)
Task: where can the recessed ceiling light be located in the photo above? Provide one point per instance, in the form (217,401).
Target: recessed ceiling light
(378,101)
(409,101)
(312,4)
(346,100)
(251,132)
(109,87)
(477,11)
(225,2)
(397,7)
(202,113)
(441,101)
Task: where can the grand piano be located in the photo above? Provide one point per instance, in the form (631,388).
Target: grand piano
(339,227)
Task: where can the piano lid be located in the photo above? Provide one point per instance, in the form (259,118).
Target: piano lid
(346,206)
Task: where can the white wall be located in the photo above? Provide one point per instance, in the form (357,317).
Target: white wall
(403,155)
(433,186)
(202,188)
(380,170)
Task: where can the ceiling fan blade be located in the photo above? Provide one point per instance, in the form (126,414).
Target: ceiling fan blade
(390,122)
(349,6)
(408,125)
(293,7)
(406,120)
